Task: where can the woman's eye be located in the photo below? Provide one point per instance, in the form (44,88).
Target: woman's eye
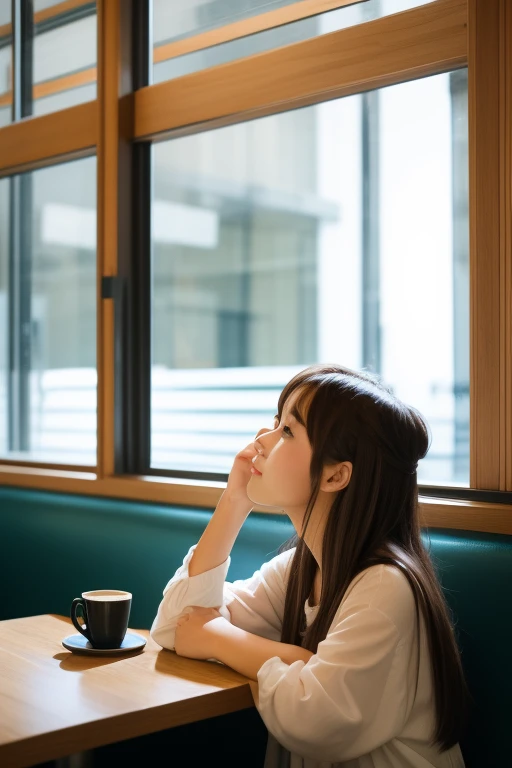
(287,431)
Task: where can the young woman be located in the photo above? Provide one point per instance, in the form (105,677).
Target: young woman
(346,630)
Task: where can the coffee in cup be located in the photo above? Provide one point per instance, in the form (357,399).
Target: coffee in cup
(105,613)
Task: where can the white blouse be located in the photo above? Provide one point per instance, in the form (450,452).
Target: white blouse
(353,704)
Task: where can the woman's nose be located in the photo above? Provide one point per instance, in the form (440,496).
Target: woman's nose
(257,444)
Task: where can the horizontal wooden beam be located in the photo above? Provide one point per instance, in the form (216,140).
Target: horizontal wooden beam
(56,85)
(435,513)
(170,50)
(466,515)
(45,465)
(423,41)
(48,13)
(58,9)
(271,20)
(251,26)
(37,140)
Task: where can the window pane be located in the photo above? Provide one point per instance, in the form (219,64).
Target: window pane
(64,55)
(48,315)
(5,64)
(4,313)
(175,21)
(337,232)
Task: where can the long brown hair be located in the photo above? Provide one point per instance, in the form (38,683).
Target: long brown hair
(352,416)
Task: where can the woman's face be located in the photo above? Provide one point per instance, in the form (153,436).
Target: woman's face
(281,468)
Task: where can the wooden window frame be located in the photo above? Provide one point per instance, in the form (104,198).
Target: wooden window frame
(298,11)
(430,39)
(302,9)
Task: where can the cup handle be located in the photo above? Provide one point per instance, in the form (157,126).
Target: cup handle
(78,602)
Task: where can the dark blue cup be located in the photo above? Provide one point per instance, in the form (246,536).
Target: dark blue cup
(106,613)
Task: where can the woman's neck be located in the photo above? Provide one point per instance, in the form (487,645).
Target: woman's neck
(314,535)
(317,588)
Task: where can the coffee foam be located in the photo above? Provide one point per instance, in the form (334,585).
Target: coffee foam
(106,595)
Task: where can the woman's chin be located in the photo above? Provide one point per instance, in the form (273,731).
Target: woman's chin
(255,495)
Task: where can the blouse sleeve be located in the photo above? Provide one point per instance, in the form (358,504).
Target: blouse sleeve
(255,604)
(350,697)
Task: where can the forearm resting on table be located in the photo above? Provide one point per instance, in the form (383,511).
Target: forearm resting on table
(246,653)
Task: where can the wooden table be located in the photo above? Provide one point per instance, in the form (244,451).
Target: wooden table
(55,703)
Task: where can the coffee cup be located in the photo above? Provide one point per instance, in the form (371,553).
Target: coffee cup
(106,613)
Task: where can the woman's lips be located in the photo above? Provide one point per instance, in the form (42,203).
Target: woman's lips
(255,471)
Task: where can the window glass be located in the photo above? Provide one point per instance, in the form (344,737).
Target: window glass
(48,315)
(337,232)
(4,286)
(175,21)
(5,64)
(63,55)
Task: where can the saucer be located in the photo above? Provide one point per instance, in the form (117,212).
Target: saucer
(79,644)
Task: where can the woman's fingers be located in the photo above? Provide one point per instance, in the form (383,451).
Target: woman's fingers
(248,452)
(251,449)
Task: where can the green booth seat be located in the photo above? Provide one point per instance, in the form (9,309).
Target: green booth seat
(55,546)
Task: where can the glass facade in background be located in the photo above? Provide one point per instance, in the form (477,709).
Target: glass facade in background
(5,64)
(174,20)
(48,315)
(61,61)
(332,233)
(63,55)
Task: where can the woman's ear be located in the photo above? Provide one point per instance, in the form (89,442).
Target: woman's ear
(335,477)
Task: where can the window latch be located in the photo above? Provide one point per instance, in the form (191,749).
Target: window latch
(110,287)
